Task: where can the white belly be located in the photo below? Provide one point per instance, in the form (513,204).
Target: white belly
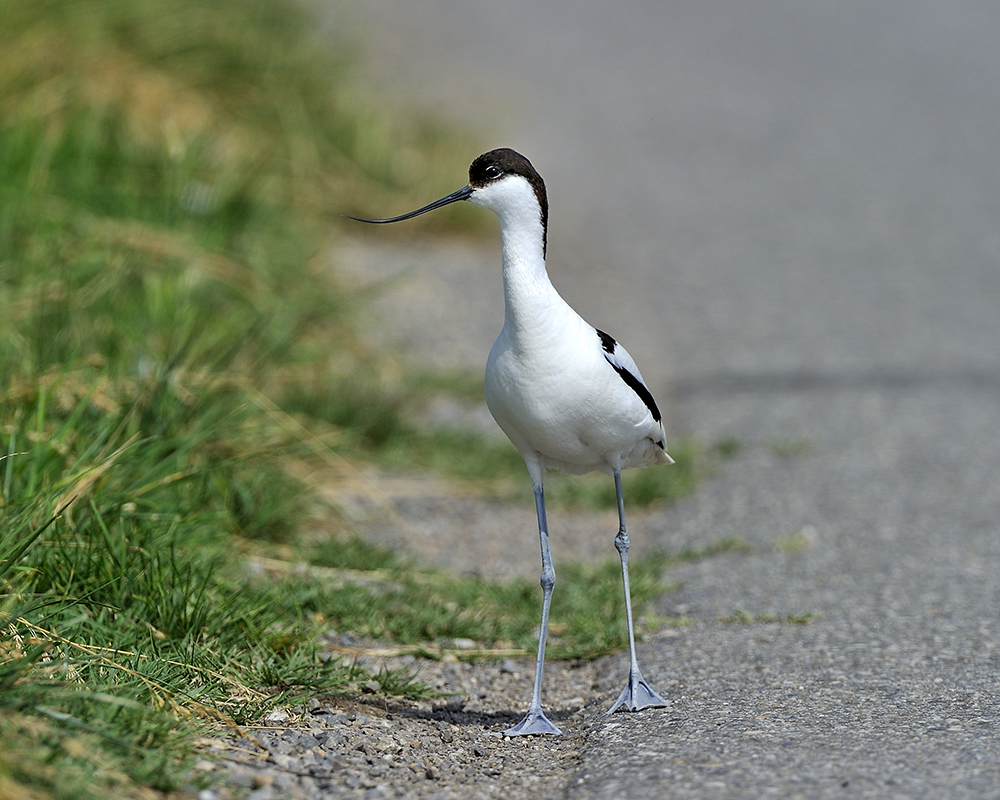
(565,403)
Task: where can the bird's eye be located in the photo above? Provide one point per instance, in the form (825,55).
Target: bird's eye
(493,171)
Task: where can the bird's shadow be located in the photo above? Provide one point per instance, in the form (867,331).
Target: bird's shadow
(455,713)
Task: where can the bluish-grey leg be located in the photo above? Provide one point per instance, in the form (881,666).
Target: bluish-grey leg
(637,694)
(535,720)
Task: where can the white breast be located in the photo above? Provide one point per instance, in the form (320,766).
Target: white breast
(553,392)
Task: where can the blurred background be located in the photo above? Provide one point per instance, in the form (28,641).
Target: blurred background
(766,191)
(179,371)
(786,211)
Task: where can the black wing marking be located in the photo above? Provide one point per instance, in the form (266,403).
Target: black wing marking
(607,342)
(623,364)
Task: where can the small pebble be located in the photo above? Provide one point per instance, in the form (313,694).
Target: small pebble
(283,781)
(330,739)
(240,780)
(388,748)
(262,779)
(278,716)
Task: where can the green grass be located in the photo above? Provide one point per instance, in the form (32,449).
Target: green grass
(434,610)
(167,172)
(172,351)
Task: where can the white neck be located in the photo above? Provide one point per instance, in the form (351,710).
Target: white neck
(529,296)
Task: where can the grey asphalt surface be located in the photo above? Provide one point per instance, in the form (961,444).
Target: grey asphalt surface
(790,214)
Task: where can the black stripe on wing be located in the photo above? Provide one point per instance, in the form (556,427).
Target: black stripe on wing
(609,345)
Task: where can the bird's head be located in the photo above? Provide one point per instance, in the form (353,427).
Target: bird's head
(501,180)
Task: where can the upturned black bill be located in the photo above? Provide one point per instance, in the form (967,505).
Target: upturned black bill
(462,194)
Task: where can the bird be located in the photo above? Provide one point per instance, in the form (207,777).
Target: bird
(567,395)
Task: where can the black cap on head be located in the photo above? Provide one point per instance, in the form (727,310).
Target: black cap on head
(495,164)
